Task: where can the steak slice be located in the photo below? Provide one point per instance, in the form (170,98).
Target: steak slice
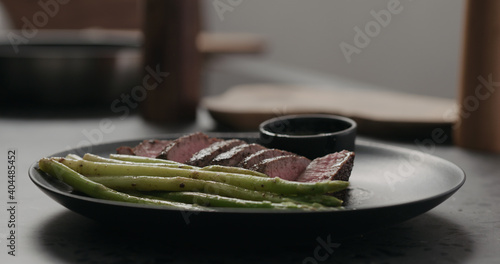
(147,148)
(151,148)
(125,150)
(261,155)
(288,167)
(183,148)
(203,157)
(335,166)
(235,155)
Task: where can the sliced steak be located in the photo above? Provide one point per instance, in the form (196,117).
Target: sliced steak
(151,148)
(235,155)
(147,148)
(287,167)
(125,150)
(205,156)
(335,166)
(261,155)
(183,148)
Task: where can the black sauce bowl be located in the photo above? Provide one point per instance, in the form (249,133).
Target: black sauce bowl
(311,136)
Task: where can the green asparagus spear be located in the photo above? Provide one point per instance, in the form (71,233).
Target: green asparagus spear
(258,196)
(158,185)
(155,183)
(92,157)
(228,169)
(96,158)
(96,190)
(275,185)
(213,200)
(141,159)
(73,156)
(325,200)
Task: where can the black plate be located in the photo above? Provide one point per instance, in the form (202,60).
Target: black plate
(388,185)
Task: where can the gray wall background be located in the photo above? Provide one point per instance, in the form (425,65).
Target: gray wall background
(419,51)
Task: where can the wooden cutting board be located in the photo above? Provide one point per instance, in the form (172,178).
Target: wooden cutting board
(381,113)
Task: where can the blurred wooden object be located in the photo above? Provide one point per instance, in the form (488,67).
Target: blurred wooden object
(380,113)
(478,126)
(79,14)
(230,43)
(170,33)
(171,37)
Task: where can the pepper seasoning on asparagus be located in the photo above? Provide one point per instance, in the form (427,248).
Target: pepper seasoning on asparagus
(147,180)
(181,184)
(97,190)
(275,185)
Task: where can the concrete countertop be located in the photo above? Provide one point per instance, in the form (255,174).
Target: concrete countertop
(463,229)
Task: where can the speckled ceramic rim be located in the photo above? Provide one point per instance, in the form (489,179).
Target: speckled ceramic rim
(263,128)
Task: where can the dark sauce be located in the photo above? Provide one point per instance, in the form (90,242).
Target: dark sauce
(307,127)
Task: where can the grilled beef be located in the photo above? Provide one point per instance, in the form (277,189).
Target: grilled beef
(235,155)
(201,150)
(287,167)
(125,150)
(183,148)
(335,166)
(147,148)
(205,156)
(261,155)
